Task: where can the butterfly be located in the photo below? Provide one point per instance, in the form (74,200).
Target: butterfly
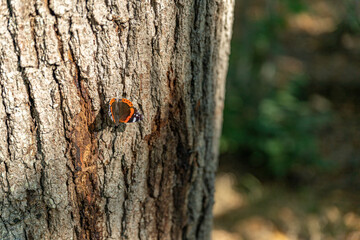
(123,111)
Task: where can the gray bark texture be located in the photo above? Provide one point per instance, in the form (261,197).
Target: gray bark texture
(66,172)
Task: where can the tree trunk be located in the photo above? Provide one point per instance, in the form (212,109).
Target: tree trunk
(66,171)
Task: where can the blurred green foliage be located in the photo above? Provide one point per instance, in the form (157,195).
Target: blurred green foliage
(352,19)
(267,123)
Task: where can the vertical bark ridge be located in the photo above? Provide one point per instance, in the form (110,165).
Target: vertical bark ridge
(32,196)
(21,164)
(202,38)
(4,154)
(83,147)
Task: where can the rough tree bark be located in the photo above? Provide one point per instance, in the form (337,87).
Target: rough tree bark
(66,171)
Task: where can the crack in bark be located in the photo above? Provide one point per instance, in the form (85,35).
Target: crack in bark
(9,7)
(34,114)
(130,31)
(77,76)
(11,31)
(58,37)
(107,222)
(123,219)
(159,204)
(5,225)
(6,178)
(34,38)
(7,138)
(201,217)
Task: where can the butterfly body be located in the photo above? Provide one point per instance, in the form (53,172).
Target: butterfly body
(122,111)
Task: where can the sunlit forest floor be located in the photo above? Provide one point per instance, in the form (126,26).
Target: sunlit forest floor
(310,205)
(247,208)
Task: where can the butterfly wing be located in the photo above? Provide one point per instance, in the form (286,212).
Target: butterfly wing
(111,113)
(136,116)
(125,112)
(122,110)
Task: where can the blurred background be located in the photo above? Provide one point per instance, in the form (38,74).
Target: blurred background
(290,149)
